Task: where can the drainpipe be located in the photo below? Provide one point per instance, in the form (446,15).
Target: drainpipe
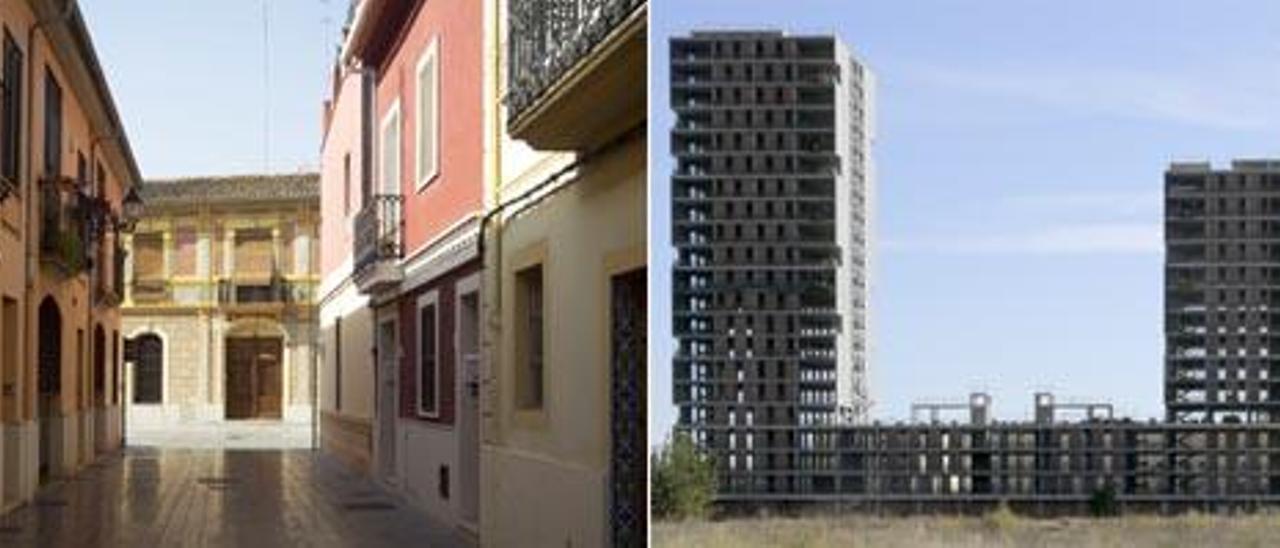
(28,209)
(91,301)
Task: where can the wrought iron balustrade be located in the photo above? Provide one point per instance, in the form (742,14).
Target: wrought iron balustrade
(549,37)
(150,290)
(240,292)
(63,234)
(379,234)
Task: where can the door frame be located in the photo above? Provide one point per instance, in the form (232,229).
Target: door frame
(467,286)
(253,371)
(380,322)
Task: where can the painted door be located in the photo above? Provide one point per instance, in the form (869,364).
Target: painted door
(469,410)
(628,505)
(49,381)
(253,378)
(388,354)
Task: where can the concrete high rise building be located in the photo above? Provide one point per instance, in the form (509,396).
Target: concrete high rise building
(771,220)
(1222,237)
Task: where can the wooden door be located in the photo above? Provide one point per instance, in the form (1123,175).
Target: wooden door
(267,381)
(254,378)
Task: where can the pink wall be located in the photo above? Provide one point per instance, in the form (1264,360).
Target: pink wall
(458,190)
(343,138)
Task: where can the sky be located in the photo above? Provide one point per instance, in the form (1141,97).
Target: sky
(188,78)
(1020,153)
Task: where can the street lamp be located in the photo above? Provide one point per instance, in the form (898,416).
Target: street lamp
(132,210)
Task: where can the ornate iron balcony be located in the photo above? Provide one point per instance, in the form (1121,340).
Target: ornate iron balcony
(548,37)
(379,235)
(63,232)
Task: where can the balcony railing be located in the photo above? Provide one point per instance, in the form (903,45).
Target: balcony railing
(233,292)
(549,37)
(379,234)
(150,290)
(63,211)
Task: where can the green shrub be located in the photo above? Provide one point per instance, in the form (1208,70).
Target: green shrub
(683,480)
(1103,502)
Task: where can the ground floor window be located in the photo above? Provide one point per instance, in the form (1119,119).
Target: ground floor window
(148,368)
(428,356)
(529,338)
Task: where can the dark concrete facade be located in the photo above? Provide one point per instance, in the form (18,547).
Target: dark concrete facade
(1222,306)
(771,223)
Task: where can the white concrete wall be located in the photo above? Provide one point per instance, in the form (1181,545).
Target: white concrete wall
(423,449)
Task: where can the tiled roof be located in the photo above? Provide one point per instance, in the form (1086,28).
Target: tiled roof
(232,189)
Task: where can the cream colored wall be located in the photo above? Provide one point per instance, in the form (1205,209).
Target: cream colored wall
(588,231)
(357,360)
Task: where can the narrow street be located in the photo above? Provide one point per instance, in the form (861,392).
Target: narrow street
(174,495)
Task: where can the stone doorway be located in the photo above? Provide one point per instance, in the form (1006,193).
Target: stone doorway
(254,377)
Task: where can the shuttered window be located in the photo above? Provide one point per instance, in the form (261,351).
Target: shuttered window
(184,253)
(148,256)
(253,253)
(10,110)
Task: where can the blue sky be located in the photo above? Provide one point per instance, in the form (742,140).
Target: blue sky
(188,79)
(1021,146)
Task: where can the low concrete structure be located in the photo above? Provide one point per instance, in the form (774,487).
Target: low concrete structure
(1048,465)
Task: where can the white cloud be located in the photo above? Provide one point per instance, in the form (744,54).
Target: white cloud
(1067,239)
(1238,98)
(1092,202)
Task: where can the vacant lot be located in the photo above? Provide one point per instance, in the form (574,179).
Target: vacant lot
(1000,529)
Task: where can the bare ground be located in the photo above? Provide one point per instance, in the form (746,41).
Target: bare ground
(997,529)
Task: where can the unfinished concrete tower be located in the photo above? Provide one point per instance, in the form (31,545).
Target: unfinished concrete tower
(771,221)
(1222,263)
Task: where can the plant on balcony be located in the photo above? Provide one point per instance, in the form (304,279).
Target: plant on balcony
(68,251)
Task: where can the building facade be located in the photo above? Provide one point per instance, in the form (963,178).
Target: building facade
(771,221)
(1222,262)
(219,306)
(1070,458)
(564,245)
(484,258)
(346,321)
(66,169)
(414,249)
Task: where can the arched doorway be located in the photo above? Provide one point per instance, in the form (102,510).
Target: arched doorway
(254,369)
(148,369)
(49,377)
(99,389)
(99,366)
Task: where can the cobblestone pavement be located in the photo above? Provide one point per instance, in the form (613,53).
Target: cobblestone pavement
(151,497)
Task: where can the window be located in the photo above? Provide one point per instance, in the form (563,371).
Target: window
(428,357)
(9,357)
(428,122)
(346,184)
(10,110)
(184,256)
(52,125)
(529,339)
(337,364)
(148,368)
(254,256)
(389,169)
(148,252)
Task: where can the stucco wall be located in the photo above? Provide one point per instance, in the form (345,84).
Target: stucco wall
(589,231)
(458,189)
(341,140)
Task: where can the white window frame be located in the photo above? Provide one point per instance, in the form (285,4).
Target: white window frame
(430,57)
(432,299)
(391,117)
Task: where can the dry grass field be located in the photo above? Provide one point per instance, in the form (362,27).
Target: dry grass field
(997,529)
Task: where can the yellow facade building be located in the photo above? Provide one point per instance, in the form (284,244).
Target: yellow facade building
(219,309)
(66,171)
